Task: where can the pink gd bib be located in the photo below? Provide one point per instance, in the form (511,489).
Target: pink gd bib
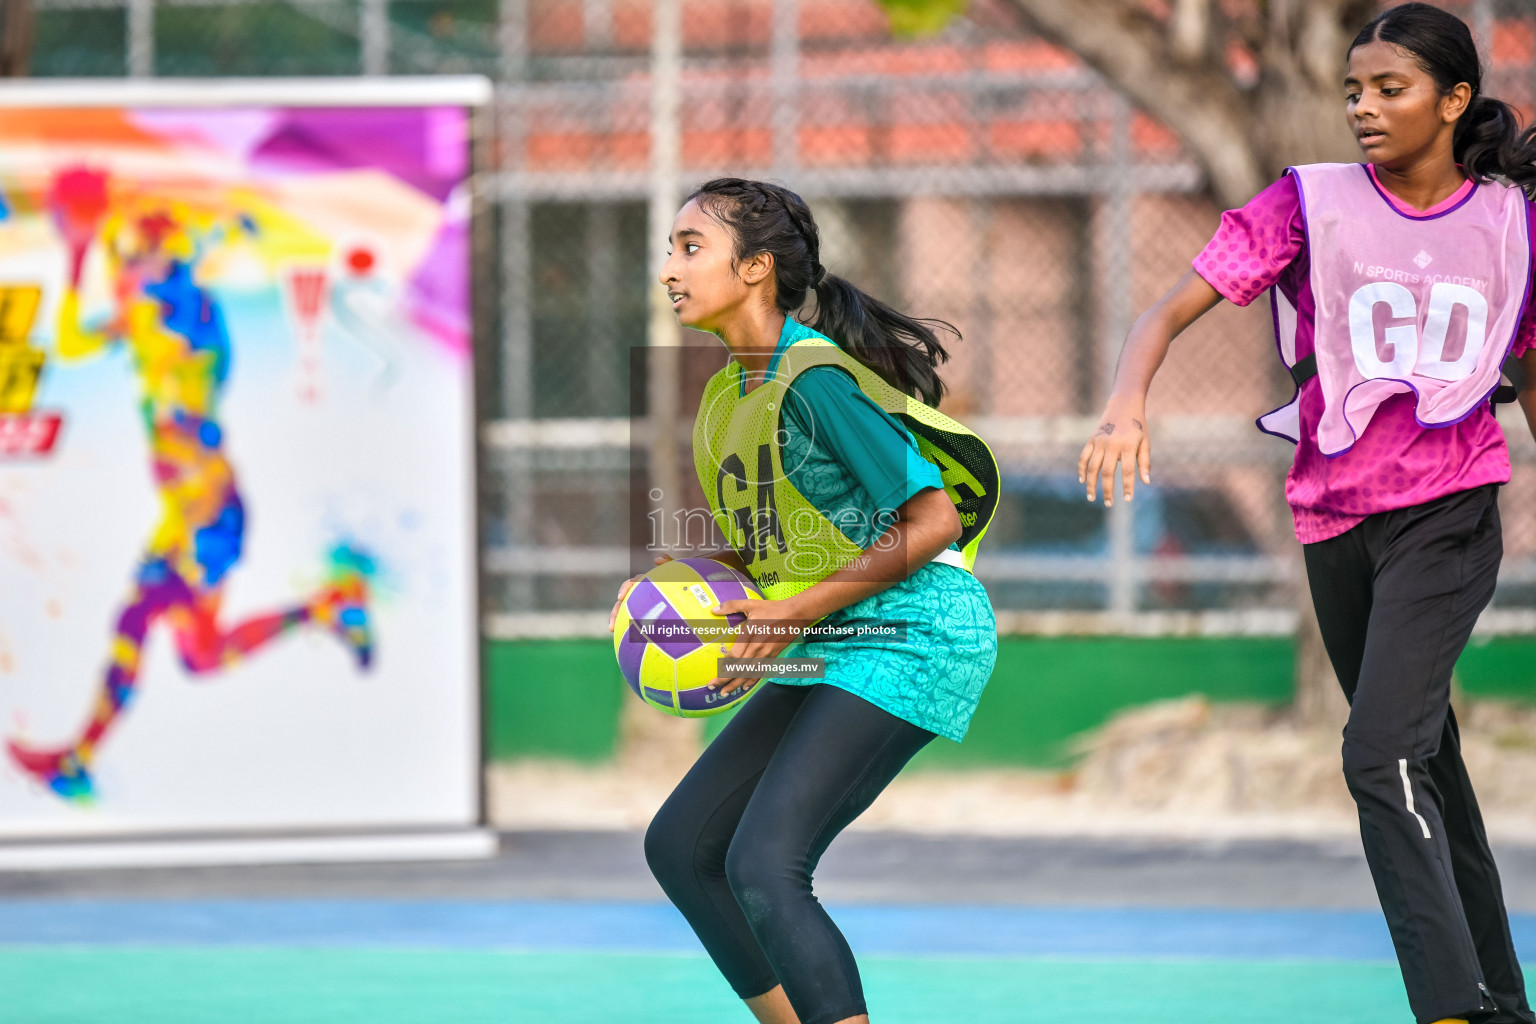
(1403,304)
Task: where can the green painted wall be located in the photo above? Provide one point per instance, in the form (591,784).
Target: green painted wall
(556,698)
(563,698)
(1046,690)
(1499,667)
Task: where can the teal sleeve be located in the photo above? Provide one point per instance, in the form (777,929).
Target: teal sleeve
(827,405)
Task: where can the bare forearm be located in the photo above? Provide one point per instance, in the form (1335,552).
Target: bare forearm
(1146,346)
(927,525)
(1121,438)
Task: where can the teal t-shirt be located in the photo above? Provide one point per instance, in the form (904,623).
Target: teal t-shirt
(856,463)
(850,458)
(852,455)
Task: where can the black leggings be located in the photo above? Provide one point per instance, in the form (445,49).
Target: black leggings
(735,844)
(1397,597)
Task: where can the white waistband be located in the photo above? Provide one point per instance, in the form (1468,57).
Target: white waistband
(949,556)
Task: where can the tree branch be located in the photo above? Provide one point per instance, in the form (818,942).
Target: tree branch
(15,38)
(1189,31)
(1196,98)
(1242,137)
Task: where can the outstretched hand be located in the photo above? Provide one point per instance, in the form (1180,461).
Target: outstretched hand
(1120,438)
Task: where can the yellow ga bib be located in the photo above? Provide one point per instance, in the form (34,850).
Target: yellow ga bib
(784,540)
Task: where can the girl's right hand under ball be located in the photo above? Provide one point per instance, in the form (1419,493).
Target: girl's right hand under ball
(625,588)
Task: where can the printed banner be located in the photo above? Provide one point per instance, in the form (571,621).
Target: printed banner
(236,464)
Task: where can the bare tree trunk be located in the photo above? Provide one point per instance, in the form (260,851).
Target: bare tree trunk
(1298,102)
(1193,97)
(15,38)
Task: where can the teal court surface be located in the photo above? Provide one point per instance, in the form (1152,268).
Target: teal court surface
(220,949)
(393,963)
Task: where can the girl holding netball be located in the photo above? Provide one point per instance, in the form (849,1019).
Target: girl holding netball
(1399,287)
(810,444)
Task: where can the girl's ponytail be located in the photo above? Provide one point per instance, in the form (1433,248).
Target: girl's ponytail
(1489,141)
(764,217)
(903,350)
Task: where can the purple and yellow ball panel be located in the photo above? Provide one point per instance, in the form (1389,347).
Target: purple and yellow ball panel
(725,582)
(630,646)
(660,620)
(732,590)
(698,668)
(701,701)
(659,698)
(669,642)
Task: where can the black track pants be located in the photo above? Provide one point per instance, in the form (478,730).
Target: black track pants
(1397,597)
(735,844)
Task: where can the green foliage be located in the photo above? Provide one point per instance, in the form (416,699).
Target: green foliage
(257,39)
(912,18)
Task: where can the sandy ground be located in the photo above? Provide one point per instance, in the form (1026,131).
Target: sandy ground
(1180,770)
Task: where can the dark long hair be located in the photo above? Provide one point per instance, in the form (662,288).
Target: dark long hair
(1489,139)
(765,217)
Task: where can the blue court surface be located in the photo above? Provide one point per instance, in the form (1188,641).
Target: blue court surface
(275,961)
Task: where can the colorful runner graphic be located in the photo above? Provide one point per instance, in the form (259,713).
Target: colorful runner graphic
(23,430)
(307,287)
(174,332)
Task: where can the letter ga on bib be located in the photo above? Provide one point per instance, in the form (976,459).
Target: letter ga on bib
(783,539)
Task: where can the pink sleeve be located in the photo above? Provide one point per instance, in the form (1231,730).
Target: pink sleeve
(1525,334)
(1254,245)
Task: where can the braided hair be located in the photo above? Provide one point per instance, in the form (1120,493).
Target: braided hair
(765,217)
(1488,138)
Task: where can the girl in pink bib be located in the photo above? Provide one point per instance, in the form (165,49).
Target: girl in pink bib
(1400,289)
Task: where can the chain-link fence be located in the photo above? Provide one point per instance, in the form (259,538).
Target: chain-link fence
(981,176)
